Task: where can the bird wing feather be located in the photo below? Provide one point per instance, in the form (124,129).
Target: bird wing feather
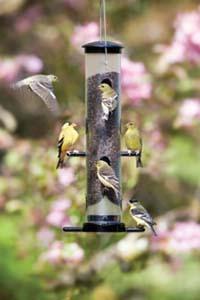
(143,215)
(109,176)
(46,95)
(59,145)
(47,84)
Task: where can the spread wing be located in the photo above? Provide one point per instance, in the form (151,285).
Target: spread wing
(27,99)
(46,94)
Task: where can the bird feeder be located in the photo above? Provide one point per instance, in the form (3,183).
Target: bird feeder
(103,207)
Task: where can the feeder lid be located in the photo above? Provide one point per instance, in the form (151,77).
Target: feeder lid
(99,47)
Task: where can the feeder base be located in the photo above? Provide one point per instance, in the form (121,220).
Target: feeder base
(95,227)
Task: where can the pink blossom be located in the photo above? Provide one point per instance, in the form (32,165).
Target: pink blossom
(45,236)
(60,253)
(85,34)
(72,253)
(54,254)
(66,176)
(11,68)
(31,63)
(60,205)
(135,81)
(184,237)
(26,20)
(57,219)
(188,113)
(170,55)
(185,45)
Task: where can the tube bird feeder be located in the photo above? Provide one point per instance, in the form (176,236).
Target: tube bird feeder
(103,136)
(103,207)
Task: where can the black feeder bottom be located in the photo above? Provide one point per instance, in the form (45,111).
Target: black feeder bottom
(98,227)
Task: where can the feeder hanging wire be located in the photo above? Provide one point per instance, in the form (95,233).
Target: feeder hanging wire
(103,30)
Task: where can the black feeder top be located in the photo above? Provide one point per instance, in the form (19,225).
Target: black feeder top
(99,47)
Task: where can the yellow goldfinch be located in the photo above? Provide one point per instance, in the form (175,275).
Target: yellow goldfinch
(134,142)
(67,138)
(140,215)
(109,99)
(39,86)
(107,176)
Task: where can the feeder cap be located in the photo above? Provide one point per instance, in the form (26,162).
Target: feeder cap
(99,47)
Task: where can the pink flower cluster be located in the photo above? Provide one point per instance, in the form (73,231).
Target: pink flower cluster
(59,253)
(57,216)
(183,238)
(66,176)
(45,236)
(188,113)
(186,41)
(136,83)
(11,68)
(85,34)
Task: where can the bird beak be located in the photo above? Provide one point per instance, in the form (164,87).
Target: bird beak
(74,125)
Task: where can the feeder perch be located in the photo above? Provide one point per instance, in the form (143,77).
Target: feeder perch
(103,208)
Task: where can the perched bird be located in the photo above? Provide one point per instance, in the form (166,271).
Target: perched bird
(107,176)
(109,99)
(38,86)
(140,215)
(67,138)
(134,142)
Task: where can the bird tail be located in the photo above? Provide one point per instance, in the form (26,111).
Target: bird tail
(116,190)
(139,163)
(60,164)
(152,228)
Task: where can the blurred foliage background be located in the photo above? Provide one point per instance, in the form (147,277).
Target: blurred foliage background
(160,91)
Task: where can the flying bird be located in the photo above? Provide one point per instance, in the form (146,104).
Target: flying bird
(39,86)
(141,216)
(108,100)
(107,177)
(67,138)
(133,142)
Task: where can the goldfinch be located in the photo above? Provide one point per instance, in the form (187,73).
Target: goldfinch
(108,100)
(141,216)
(107,176)
(133,142)
(38,86)
(67,138)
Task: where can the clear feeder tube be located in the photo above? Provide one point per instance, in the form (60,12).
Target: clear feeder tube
(103,136)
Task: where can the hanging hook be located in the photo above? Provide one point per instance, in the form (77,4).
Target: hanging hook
(103,30)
